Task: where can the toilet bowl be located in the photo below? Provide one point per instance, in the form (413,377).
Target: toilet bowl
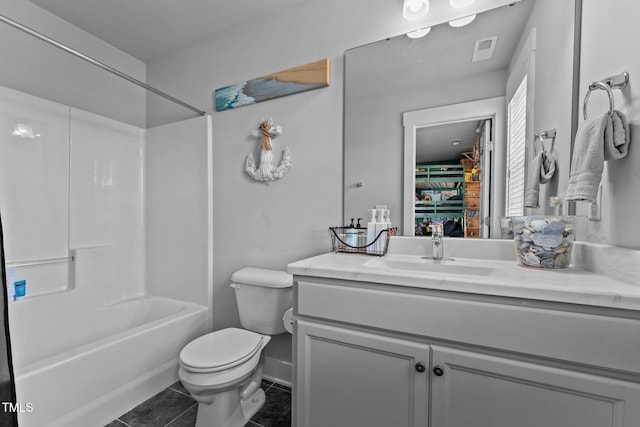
(222,370)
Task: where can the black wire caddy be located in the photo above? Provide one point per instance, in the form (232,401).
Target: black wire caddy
(344,242)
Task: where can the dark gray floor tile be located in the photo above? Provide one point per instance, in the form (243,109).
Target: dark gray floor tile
(276,412)
(187,419)
(175,408)
(177,386)
(159,410)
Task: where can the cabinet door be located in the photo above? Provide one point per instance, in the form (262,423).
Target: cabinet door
(480,390)
(347,378)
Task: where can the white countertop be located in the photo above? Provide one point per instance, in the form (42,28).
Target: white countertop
(495,277)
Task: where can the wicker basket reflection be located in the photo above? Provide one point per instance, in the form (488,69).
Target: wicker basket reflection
(356,242)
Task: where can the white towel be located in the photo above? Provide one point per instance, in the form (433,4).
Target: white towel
(603,138)
(616,137)
(541,171)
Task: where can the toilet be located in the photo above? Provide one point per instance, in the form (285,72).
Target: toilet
(222,370)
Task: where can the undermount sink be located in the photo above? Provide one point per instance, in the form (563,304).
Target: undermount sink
(425,265)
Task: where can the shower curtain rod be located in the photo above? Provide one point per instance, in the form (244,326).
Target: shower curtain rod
(102,65)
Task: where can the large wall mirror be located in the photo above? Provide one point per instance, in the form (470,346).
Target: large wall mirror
(438,106)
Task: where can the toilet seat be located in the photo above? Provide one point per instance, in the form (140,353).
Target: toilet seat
(221,350)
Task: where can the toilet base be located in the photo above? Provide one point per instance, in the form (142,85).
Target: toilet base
(228,410)
(251,406)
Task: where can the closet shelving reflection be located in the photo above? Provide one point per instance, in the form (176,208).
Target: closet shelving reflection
(439,194)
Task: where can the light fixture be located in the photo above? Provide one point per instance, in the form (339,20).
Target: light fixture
(462,21)
(455,142)
(459,4)
(415,9)
(419,33)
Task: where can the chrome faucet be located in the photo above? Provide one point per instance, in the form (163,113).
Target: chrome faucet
(437,232)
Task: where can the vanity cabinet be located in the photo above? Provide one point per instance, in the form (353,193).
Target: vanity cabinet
(475,389)
(376,355)
(354,378)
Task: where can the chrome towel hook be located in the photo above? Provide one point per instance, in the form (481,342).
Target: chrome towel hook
(618,81)
(547,134)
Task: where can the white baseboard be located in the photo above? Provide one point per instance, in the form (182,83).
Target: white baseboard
(278,371)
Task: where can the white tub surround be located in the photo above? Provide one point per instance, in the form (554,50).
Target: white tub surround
(100,329)
(473,340)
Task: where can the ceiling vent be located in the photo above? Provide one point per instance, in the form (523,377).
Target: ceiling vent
(483,49)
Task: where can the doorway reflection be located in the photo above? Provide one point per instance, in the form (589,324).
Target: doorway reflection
(451,173)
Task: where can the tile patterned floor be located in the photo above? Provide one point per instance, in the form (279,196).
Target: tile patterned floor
(173,407)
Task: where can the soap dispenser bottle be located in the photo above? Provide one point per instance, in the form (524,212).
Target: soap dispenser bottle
(362,235)
(351,235)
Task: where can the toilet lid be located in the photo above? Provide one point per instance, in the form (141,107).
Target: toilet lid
(220,350)
(263,277)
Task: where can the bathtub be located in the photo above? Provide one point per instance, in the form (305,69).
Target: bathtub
(76,366)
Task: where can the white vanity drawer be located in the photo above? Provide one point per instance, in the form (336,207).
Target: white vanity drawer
(597,340)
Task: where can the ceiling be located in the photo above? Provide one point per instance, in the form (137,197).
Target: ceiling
(383,70)
(445,54)
(147,29)
(433,143)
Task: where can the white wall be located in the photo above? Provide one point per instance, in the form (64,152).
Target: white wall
(609,40)
(33,66)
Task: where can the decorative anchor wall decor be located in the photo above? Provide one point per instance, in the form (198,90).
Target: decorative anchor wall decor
(267,171)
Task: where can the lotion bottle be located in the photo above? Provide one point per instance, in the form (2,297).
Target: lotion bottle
(380,226)
(371,229)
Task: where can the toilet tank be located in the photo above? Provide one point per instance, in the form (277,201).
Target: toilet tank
(263,296)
